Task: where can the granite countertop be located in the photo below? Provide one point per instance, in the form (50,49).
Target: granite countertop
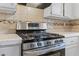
(69,34)
(9,37)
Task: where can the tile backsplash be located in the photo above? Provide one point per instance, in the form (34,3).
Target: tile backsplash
(7,27)
(63,26)
(75,26)
(53,26)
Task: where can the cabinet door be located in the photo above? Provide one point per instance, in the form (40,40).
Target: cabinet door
(10,51)
(72,46)
(57,9)
(72,50)
(68,10)
(48,11)
(75,10)
(71,10)
(7,5)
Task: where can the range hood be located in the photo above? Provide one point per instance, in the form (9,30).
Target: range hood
(39,5)
(36,5)
(7,10)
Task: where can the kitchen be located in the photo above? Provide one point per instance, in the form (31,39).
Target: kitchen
(39,29)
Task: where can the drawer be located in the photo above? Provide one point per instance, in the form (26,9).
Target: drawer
(10,51)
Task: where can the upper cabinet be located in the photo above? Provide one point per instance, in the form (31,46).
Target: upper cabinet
(57,9)
(65,11)
(75,10)
(54,11)
(7,9)
(48,11)
(8,5)
(68,10)
(71,10)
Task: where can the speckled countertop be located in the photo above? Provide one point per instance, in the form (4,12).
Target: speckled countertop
(68,34)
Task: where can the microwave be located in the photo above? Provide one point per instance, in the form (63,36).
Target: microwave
(31,25)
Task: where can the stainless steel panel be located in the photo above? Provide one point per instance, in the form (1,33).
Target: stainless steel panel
(24,25)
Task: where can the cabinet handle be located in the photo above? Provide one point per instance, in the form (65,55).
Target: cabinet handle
(2,54)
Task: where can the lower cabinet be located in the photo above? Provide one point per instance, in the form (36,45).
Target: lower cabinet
(72,46)
(10,51)
(72,50)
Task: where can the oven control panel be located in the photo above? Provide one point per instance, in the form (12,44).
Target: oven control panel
(42,44)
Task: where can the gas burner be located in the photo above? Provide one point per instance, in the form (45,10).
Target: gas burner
(41,36)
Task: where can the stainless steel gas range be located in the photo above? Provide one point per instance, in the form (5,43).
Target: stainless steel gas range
(40,43)
(36,42)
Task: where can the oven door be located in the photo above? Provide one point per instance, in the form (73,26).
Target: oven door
(60,52)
